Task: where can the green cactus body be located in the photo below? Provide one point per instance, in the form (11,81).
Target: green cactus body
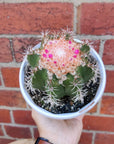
(61,67)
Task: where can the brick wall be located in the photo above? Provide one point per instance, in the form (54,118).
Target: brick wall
(21,22)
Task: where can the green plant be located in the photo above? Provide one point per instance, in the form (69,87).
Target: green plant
(56,73)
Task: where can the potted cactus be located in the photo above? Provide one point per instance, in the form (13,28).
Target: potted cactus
(62,77)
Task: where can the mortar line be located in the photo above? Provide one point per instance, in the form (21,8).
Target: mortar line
(101,115)
(12,50)
(12,64)
(20,36)
(18,125)
(109,67)
(93,137)
(107,115)
(9,88)
(3,129)
(101,49)
(13,108)
(103,132)
(32,133)
(12,117)
(108,94)
(91,1)
(81,36)
(75,19)
(94,37)
(2,81)
(44,1)
(99,107)
(8,137)
(36,1)
(5,133)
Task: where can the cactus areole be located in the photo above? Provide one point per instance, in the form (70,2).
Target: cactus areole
(61,76)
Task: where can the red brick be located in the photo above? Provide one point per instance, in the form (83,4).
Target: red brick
(0,82)
(93,43)
(10,76)
(108,55)
(104,138)
(5,141)
(86,138)
(99,123)
(5,51)
(18,132)
(34,17)
(109,81)
(5,116)
(36,133)
(23,117)
(12,99)
(20,46)
(96,19)
(1,132)
(107,106)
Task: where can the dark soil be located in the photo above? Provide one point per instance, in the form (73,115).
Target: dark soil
(66,105)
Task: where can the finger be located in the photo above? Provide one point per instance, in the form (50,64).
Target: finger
(39,118)
(37,115)
(79,118)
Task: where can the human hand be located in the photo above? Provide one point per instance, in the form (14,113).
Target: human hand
(59,131)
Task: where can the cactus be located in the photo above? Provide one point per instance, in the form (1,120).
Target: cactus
(61,67)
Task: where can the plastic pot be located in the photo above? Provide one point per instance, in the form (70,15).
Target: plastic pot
(83,110)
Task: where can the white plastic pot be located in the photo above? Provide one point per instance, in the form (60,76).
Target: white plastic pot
(83,110)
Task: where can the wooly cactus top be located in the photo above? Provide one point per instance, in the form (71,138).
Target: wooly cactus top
(61,67)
